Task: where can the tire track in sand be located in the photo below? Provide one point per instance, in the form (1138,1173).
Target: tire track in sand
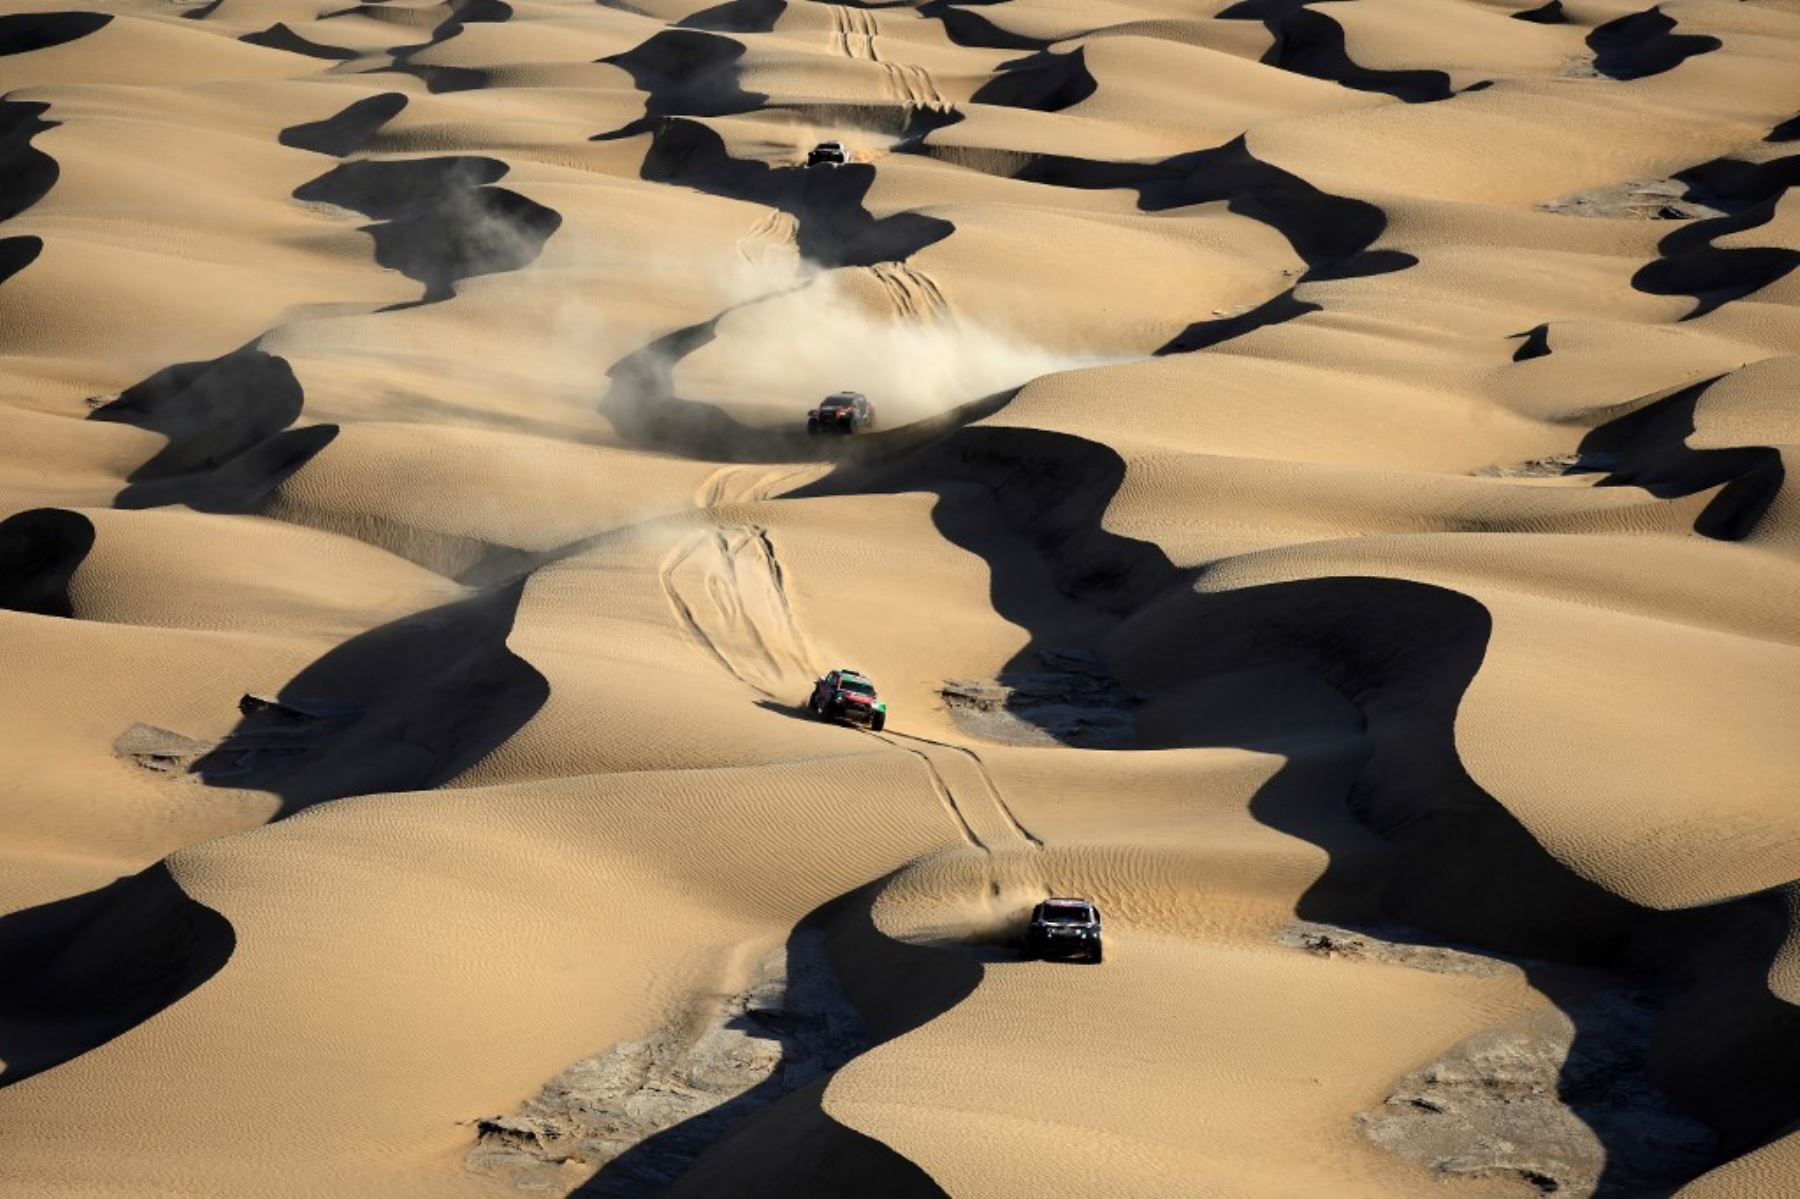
(914,294)
(853,33)
(727,590)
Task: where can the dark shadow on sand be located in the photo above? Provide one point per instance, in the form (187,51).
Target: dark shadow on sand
(17,253)
(1648,448)
(227,422)
(834,229)
(1370,673)
(40,550)
(439,221)
(21,33)
(26,172)
(1043,82)
(776,1140)
(1312,44)
(404,707)
(348,131)
(1643,44)
(76,973)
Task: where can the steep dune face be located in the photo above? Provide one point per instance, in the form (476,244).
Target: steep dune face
(1326,503)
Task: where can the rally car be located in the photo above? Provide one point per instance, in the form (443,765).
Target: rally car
(847,695)
(845,412)
(827,154)
(1064,928)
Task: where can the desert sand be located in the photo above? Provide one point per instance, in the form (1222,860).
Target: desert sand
(1326,505)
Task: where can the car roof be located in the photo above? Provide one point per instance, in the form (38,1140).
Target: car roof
(1064,902)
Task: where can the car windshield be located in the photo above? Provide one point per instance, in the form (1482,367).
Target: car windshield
(855,687)
(1066,913)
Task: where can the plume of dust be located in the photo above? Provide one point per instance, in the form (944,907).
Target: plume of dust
(885,331)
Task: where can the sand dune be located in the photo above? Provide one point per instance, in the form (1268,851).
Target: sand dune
(1327,503)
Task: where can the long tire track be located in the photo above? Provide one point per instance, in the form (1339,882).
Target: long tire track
(914,294)
(1007,815)
(728,590)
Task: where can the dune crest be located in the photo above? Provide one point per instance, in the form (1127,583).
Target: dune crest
(1307,477)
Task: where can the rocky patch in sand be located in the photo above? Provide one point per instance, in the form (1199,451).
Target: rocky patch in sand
(1558,1100)
(642,1111)
(1640,200)
(1071,700)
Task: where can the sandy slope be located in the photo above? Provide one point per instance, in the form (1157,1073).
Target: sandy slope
(1328,505)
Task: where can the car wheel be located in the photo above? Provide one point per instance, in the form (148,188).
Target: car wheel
(878,721)
(812,428)
(1094,953)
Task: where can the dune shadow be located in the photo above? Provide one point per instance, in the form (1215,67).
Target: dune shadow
(685,71)
(973,30)
(439,220)
(1043,82)
(346,132)
(832,226)
(227,424)
(1369,673)
(776,1139)
(1312,44)
(40,550)
(1332,234)
(737,16)
(17,253)
(76,973)
(1644,43)
(1533,343)
(279,37)
(21,33)
(1648,448)
(1690,264)
(1550,13)
(449,79)
(404,707)
(26,172)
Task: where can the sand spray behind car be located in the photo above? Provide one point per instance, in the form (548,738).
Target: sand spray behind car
(889,331)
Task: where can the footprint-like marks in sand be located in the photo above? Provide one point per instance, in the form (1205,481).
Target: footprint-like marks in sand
(439,220)
(39,552)
(1311,43)
(1644,44)
(76,973)
(228,424)
(21,33)
(346,132)
(832,227)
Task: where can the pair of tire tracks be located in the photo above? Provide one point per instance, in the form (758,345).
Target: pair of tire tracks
(914,294)
(853,33)
(727,590)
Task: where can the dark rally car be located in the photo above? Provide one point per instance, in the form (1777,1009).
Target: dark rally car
(847,695)
(827,154)
(845,412)
(1064,928)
